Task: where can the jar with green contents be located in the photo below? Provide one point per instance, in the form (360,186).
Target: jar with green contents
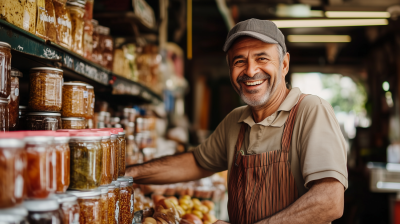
(86,160)
(89,206)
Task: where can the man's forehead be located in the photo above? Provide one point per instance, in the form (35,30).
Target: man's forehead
(246,43)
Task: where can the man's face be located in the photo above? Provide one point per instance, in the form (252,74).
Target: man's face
(255,70)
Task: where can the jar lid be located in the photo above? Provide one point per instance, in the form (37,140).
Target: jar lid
(74,84)
(89,86)
(72,118)
(39,133)
(79,3)
(4,44)
(17,210)
(11,143)
(12,134)
(44,114)
(61,198)
(121,133)
(61,137)
(126,178)
(105,134)
(103,189)
(39,136)
(3,100)
(109,186)
(116,183)
(47,68)
(84,194)
(42,205)
(86,134)
(16,73)
(67,130)
(22,107)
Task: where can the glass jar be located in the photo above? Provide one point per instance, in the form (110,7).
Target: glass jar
(14,215)
(46,22)
(104,204)
(44,211)
(86,160)
(90,102)
(114,155)
(73,123)
(117,201)
(43,121)
(127,201)
(74,99)
(132,151)
(41,170)
(3,115)
(63,23)
(5,69)
(12,169)
(77,11)
(69,208)
(13,103)
(45,89)
(89,206)
(61,147)
(122,154)
(112,202)
(106,177)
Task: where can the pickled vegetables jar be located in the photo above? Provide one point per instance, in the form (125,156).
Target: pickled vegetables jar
(86,160)
(89,206)
(43,211)
(74,99)
(45,89)
(61,147)
(43,121)
(5,69)
(63,23)
(73,123)
(77,11)
(104,204)
(13,103)
(126,201)
(12,169)
(4,115)
(69,207)
(122,154)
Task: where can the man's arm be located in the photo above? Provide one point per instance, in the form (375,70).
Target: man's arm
(169,169)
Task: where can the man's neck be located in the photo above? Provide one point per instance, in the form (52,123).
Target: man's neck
(259,114)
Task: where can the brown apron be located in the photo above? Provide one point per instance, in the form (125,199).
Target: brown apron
(261,185)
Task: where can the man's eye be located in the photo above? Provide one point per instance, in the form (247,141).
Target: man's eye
(262,59)
(239,62)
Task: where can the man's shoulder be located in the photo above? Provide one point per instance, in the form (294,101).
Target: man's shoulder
(235,114)
(312,101)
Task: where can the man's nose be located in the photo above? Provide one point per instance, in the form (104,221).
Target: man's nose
(252,68)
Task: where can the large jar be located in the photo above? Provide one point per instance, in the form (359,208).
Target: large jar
(12,169)
(74,99)
(106,177)
(126,204)
(14,215)
(122,154)
(3,115)
(45,89)
(89,206)
(41,169)
(22,117)
(69,207)
(13,104)
(46,20)
(77,11)
(5,69)
(73,123)
(44,211)
(43,121)
(91,102)
(62,152)
(117,202)
(104,204)
(63,23)
(86,160)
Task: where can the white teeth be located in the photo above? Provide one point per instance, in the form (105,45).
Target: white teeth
(253,83)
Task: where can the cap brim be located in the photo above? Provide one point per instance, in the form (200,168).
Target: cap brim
(259,36)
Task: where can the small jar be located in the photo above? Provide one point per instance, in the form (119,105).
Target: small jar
(112,203)
(46,20)
(86,160)
(61,147)
(117,202)
(5,69)
(122,154)
(106,177)
(14,215)
(45,89)
(74,99)
(90,102)
(73,123)
(127,200)
(3,115)
(43,121)
(104,204)
(22,118)
(41,169)
(69,207)
(13,103)
(77,11)
(63,23)
(12,169)
(89,206)
(43,211)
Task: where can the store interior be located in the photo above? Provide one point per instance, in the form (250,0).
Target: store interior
(154,72)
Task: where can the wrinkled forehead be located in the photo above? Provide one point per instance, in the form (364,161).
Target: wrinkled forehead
(245,44)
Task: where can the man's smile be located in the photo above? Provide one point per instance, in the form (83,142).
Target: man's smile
(254,83)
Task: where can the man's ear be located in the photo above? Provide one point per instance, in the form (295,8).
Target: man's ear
(285,66)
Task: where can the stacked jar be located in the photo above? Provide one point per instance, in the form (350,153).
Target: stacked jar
(89,206)
(5,84)
(43,211)
(127,200)
(45,99)
(74,105)
(69,208)
(120,151)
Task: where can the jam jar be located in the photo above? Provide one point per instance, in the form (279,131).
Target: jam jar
(43,211)
(89,206)
(69,207)
(22,117)
(74,99)
(104,204)
(62,152)
(86,160)
(45,89)
(14,215)
(41,172)
(122,154)
(5,69)
(73,123)
(43,121)
(12,169)
(126,204)
(13,103)
(3,115)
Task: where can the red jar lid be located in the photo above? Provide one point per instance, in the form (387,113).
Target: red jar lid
(104,133)
(114,131)
(12,134)
(61,134)
(39,133)
(85,134)
(67,130)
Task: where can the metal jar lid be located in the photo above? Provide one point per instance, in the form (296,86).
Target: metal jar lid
(44,114)
(89,87)
(79,3)
(121,133)
(16,73)
(13,215)
(47,69)
(4,44)
(72,119)
(74,84)
(41,205)
(116,183)
(85,194)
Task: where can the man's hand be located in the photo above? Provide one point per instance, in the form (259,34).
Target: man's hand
(221,222)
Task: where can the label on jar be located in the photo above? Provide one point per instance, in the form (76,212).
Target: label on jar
(19,186)
(85,94)
(16,92)
(117,212)
(132,204)
(26,20)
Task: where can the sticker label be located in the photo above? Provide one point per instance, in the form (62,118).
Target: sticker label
(85,94)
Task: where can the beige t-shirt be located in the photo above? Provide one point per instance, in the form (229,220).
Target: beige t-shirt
(317,150)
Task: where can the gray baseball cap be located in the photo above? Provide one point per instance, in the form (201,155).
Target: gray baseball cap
(264,30)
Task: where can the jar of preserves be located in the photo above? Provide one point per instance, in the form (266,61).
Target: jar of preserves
(46,20)
(104,204)
(106,177)
(74,99)
(5,69)
(127,201)
(86,160)
(91,101)
(41,172)
(13,103)
(117,201)
(3,115)
(12,169)
(43,121)
(69,208)
(89,206)
(22,117)
(61,147)
(45,89)
(73,123)
(43,211)
(77,11)
(63,23)
(122,154)
(14,215)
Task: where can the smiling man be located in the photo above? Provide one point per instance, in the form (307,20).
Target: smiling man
(284,151)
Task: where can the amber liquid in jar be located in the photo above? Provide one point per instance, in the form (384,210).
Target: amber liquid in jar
(74,100)
(63,23)
(90,102)
(89,210)
(122,155)
(5,69)
(115,155)
(77,21)
(62,164)
(106,177)
(126,204)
